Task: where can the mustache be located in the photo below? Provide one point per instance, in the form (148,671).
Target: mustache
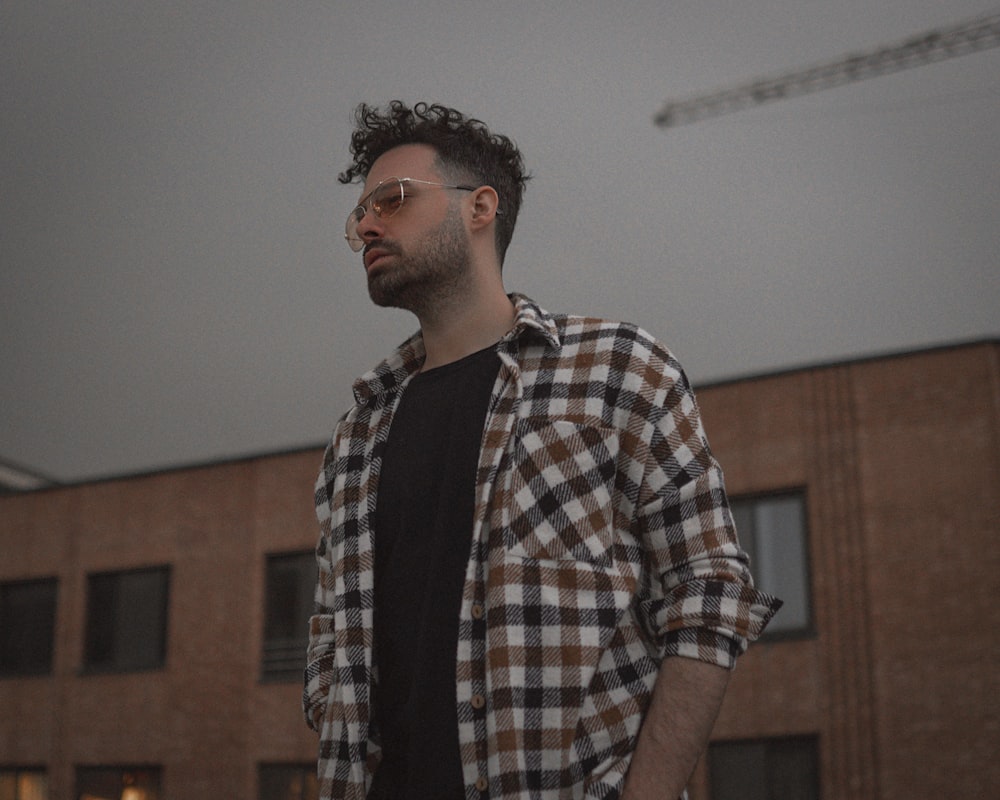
(382,244)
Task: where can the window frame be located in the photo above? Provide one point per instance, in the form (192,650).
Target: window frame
(52,582)
(771,746)
(122,769)
(116,664)
(307,770)
(18,771)
(270,669)
(808,630)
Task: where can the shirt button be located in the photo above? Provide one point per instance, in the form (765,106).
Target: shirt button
(481,783)
(477,611)
(478,701)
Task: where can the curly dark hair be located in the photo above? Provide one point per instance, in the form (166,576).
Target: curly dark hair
(466,151)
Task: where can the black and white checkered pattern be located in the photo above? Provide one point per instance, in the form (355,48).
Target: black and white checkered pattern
(602,544)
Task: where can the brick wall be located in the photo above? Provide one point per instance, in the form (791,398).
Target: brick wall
(900,461)
(204,717)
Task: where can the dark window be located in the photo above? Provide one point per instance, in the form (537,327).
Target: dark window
(127,620)
(23,784)
(291,583)
(118,783)
(764,769)
(772,529)
(27,627)
(287,782)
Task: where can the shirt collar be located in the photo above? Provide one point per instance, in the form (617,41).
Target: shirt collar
(530,321)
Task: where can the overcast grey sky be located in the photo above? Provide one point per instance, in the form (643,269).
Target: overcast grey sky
(175,287)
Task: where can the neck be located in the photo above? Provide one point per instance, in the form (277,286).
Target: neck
(467,325)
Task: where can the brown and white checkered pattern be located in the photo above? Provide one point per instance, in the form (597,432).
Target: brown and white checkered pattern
(602,544)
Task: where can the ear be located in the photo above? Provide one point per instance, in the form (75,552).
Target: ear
(485,202)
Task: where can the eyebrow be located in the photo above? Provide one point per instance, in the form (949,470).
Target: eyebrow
(365,198)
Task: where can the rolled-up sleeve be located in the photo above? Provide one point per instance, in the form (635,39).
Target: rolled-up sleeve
(702,602)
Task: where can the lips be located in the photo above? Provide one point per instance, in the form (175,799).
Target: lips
(374,254)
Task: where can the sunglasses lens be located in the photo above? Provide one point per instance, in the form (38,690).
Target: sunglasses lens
(384,202)
(351,229)
(387,199)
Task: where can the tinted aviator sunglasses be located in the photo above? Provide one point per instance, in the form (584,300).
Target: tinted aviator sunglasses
(384,201)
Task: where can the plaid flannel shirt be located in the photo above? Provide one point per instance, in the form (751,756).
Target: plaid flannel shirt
(602,543)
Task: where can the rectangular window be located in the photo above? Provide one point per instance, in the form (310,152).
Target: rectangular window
(24,784)
(287,782)
(118,783)
(764,769)
(126,620)
(772,529)
(291,583)
(27,627)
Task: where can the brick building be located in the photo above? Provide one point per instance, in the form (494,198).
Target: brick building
(150,627)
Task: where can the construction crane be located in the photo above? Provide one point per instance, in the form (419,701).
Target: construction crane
(936,45)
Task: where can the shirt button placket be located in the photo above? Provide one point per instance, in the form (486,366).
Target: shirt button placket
(477,701)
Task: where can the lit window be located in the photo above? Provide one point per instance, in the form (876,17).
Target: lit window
(287,782)
(24,784)
(127,620)
(291,582)
(27,627)
(772,529)
(764,769)
(118,783)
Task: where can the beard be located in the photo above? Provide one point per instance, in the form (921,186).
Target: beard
(434,273)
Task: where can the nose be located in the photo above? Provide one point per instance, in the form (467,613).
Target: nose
(369,226)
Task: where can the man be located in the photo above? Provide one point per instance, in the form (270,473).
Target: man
(529,580)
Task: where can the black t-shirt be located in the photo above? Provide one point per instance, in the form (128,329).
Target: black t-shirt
(423,533)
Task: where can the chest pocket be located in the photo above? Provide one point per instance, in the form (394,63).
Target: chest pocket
(562,483)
